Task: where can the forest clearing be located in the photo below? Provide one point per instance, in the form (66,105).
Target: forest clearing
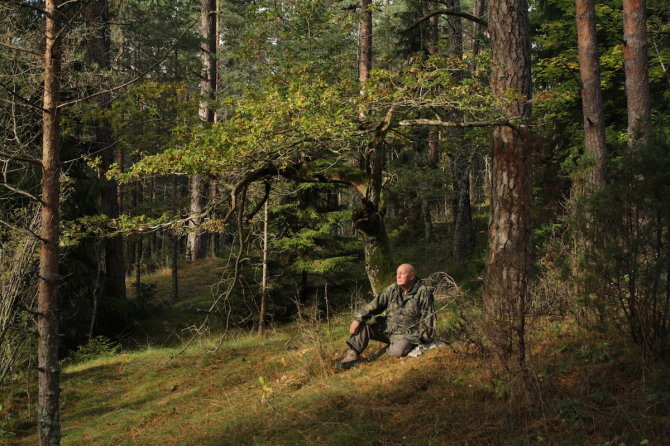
(198,197)
(587,390)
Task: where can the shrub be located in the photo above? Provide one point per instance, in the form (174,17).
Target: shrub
(625,254)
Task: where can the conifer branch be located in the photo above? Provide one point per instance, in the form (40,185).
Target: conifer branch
(463,15)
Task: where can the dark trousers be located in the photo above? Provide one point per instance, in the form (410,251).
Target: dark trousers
(360,340)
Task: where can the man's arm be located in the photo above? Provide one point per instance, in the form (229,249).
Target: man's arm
(374,307)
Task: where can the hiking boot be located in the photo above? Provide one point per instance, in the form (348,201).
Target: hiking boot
(349,359)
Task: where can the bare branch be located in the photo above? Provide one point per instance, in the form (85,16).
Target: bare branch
(23,101)
(28,230)
(260,204)
(18,48)
(447,12)
(21,192)
(438,123)
(9,156)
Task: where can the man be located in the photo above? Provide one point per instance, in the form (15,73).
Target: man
(409,318)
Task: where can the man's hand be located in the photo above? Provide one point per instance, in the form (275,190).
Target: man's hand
(354,327)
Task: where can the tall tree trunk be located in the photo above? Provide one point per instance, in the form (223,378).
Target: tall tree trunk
(98,49)
(478,10)
(365,44)
(592,106)
(464,235)
(138,243)
(48,420)
(195,248)
(636,69)
(368,220)
(508,262)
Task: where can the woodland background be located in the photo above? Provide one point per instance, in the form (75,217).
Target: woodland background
(222,176)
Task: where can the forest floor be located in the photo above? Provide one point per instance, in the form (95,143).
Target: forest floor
(283,390)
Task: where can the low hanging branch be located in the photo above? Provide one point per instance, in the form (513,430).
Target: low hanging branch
(464,15)
(438,123)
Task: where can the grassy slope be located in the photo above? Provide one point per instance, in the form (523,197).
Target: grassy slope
(590,392)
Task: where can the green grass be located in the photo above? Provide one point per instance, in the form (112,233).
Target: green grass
(215,398)
(587,390)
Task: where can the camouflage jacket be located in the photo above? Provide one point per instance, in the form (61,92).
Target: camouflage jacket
(409,315)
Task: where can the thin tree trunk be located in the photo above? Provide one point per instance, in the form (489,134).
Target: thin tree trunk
(138,243)
(479,8)
(365,44)
(636,69)
(463,236)
(508,263)
(594,119)
(264,279)
(174,243)
(48,420)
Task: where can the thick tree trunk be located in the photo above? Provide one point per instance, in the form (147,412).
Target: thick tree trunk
(195,246)
(636,69)
(379,263)
(508,265)
(98,50)
(47,324)
(594,119)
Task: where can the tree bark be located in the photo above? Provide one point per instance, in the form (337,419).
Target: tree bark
(592,106)
(47,323)
(174,244)
(365,44)
(264,279)
(368,220)
(195,247)
(636,69)
(379,263)
(508,265)
(98,47)
(463,235)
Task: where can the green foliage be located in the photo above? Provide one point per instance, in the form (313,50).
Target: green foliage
(96,347)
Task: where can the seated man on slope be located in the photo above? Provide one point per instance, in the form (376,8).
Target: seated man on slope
(410,318)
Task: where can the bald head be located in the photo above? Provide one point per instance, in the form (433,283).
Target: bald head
(405,275)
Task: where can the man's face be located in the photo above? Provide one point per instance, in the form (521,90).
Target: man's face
(404,276)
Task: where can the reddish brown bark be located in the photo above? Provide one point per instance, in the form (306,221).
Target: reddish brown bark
(49,369)
(509,253)
(365,43)
(636,68)
(594,119)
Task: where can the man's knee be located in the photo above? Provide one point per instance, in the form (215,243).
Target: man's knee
(398,349)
